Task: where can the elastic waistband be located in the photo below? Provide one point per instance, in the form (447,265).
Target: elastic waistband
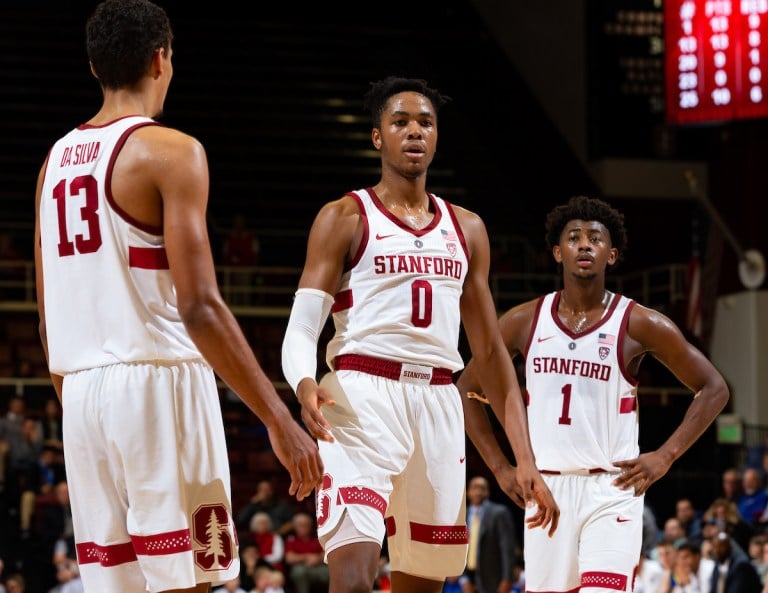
(397,371)
(577,472)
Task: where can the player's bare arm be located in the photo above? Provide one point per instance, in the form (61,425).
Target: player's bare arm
(651,332)
(495,370)
(515,326)
(181,182)
(333,238)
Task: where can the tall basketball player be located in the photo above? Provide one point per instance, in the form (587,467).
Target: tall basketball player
(583,346)
(133,326)
(400,269)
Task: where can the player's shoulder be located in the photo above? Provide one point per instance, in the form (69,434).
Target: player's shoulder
(157,138)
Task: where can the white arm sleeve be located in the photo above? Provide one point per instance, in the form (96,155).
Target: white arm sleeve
(308,316)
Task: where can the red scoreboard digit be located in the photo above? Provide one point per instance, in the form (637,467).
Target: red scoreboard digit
(716,67)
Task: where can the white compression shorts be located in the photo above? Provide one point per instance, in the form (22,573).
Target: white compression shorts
(148,475)
(398,460)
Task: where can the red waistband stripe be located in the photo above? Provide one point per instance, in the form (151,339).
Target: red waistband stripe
(390,369)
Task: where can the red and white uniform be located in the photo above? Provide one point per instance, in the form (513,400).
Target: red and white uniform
(399,429)
(582,416)
(144,440)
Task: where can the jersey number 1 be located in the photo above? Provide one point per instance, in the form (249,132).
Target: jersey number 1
(564,417)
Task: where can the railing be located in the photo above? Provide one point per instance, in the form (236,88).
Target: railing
(267,291)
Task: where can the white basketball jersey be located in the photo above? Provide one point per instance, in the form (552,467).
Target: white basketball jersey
(399,299)
(109,296)
(582,405)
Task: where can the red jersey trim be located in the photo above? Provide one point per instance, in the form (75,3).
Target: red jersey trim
(573,335)
(342,301)
(148,258)
(108,181)
(620,347)
(363,496)
(160,544)
(439,534)
(114,555)
(607,580)
(459,231)
(534,324)
(366,232)
(416,232)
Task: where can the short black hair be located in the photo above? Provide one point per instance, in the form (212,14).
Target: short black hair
(121,38)
(380,91)
(586,208)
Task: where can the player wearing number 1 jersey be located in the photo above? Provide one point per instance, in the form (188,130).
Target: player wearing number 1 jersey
(133,326)
(583,346)
(400,269)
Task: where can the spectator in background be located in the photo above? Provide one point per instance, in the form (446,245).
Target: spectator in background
(689,518)
(276,582)
(250,562)
(51,421)
(673,531)
(304,556)
(756,455)
(650,574)
(754,499)
(230,586)
(723,516)
(755,553)
(56,530)
(39,482)
(271,545)
(68,576)
(650,532)
(15,583)
(732,484)
(733,573)
(10,430)
(493,548)
(265,499)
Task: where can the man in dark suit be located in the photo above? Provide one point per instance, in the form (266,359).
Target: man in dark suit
(493,550)
(733,573)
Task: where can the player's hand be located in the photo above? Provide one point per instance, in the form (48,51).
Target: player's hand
(507,480)
(536,493)
(298,453)
(312,397)
(641,472)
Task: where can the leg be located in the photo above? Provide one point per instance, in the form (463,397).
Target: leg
(407,583)
(352,568)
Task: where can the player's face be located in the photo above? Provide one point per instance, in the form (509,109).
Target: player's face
(407,136)
(585,248)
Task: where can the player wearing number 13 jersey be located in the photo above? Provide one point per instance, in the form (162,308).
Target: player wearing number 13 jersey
(134,326)
(583,346)
(400,269)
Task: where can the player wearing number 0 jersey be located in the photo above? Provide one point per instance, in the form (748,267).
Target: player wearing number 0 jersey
(583,347)
(400,297)
(401,270)
(133,326)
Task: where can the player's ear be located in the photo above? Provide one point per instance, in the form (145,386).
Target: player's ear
(613,256)
(557,254)
(376,138)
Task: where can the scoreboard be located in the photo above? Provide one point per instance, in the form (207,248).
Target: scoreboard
(716,60)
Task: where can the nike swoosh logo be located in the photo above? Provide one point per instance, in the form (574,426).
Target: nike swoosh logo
(461,459)
(620,520)
(540,339)
(380,237)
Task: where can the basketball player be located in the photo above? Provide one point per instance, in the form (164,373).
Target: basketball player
(397,266)
(583,346)
(134,326)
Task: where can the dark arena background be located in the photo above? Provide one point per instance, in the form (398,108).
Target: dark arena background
(549,100)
